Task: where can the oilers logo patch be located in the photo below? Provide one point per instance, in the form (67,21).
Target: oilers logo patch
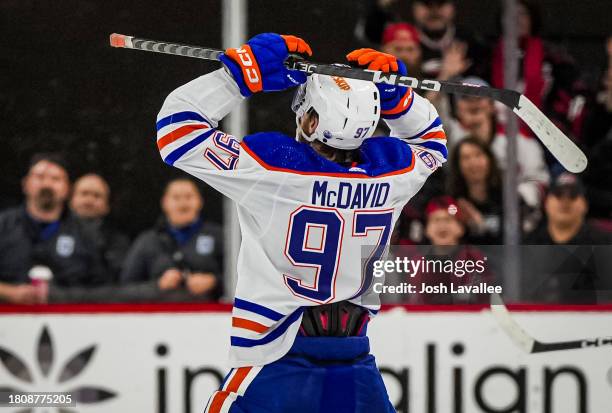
(205,244)
(64,246)
(429,160)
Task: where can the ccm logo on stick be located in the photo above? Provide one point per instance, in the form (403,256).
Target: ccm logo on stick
(407,81)
(302,66)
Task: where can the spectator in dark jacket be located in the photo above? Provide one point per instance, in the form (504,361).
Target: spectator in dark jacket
(572,268)
(184,251)
(90,201)
(566,207)
(44,233)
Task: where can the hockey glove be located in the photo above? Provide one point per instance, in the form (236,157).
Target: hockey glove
(259,64)
(394,100)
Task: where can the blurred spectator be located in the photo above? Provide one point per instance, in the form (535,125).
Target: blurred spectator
(445,230)
(475,181)
(44,233)
(548,75)
(598,139)
(476,117)
(402,41)
(565,101)
(90,201)
(599,123)
(183,250)
(438,34)
(531,46)
(566,207)
(443,227)
(561,274)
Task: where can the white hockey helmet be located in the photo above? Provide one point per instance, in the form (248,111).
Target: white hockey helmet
(348,109)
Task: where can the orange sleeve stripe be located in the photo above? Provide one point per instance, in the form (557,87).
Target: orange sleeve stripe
(250,69)
(434,135)
(217,402)
(249,325)
(178,134)
(238,378)
(401,105)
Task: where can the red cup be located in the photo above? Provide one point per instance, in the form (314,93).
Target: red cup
(40,276)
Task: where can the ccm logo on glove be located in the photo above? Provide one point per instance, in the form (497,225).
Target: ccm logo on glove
(247,61)
(250,70)
(259,65)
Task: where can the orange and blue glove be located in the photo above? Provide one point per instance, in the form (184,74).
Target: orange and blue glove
(395,101)
(259,66)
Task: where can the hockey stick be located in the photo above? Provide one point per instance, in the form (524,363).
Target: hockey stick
(529,344)
(562,148)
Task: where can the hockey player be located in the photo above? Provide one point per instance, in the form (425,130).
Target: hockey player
(315,210)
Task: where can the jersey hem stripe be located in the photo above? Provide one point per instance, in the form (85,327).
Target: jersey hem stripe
(276,333)
(243,323)
(257,309)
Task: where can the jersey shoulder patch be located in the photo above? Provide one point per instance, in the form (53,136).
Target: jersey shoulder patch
(279,152)
(428,160)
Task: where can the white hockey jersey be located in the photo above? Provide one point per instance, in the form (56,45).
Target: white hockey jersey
(310,227)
